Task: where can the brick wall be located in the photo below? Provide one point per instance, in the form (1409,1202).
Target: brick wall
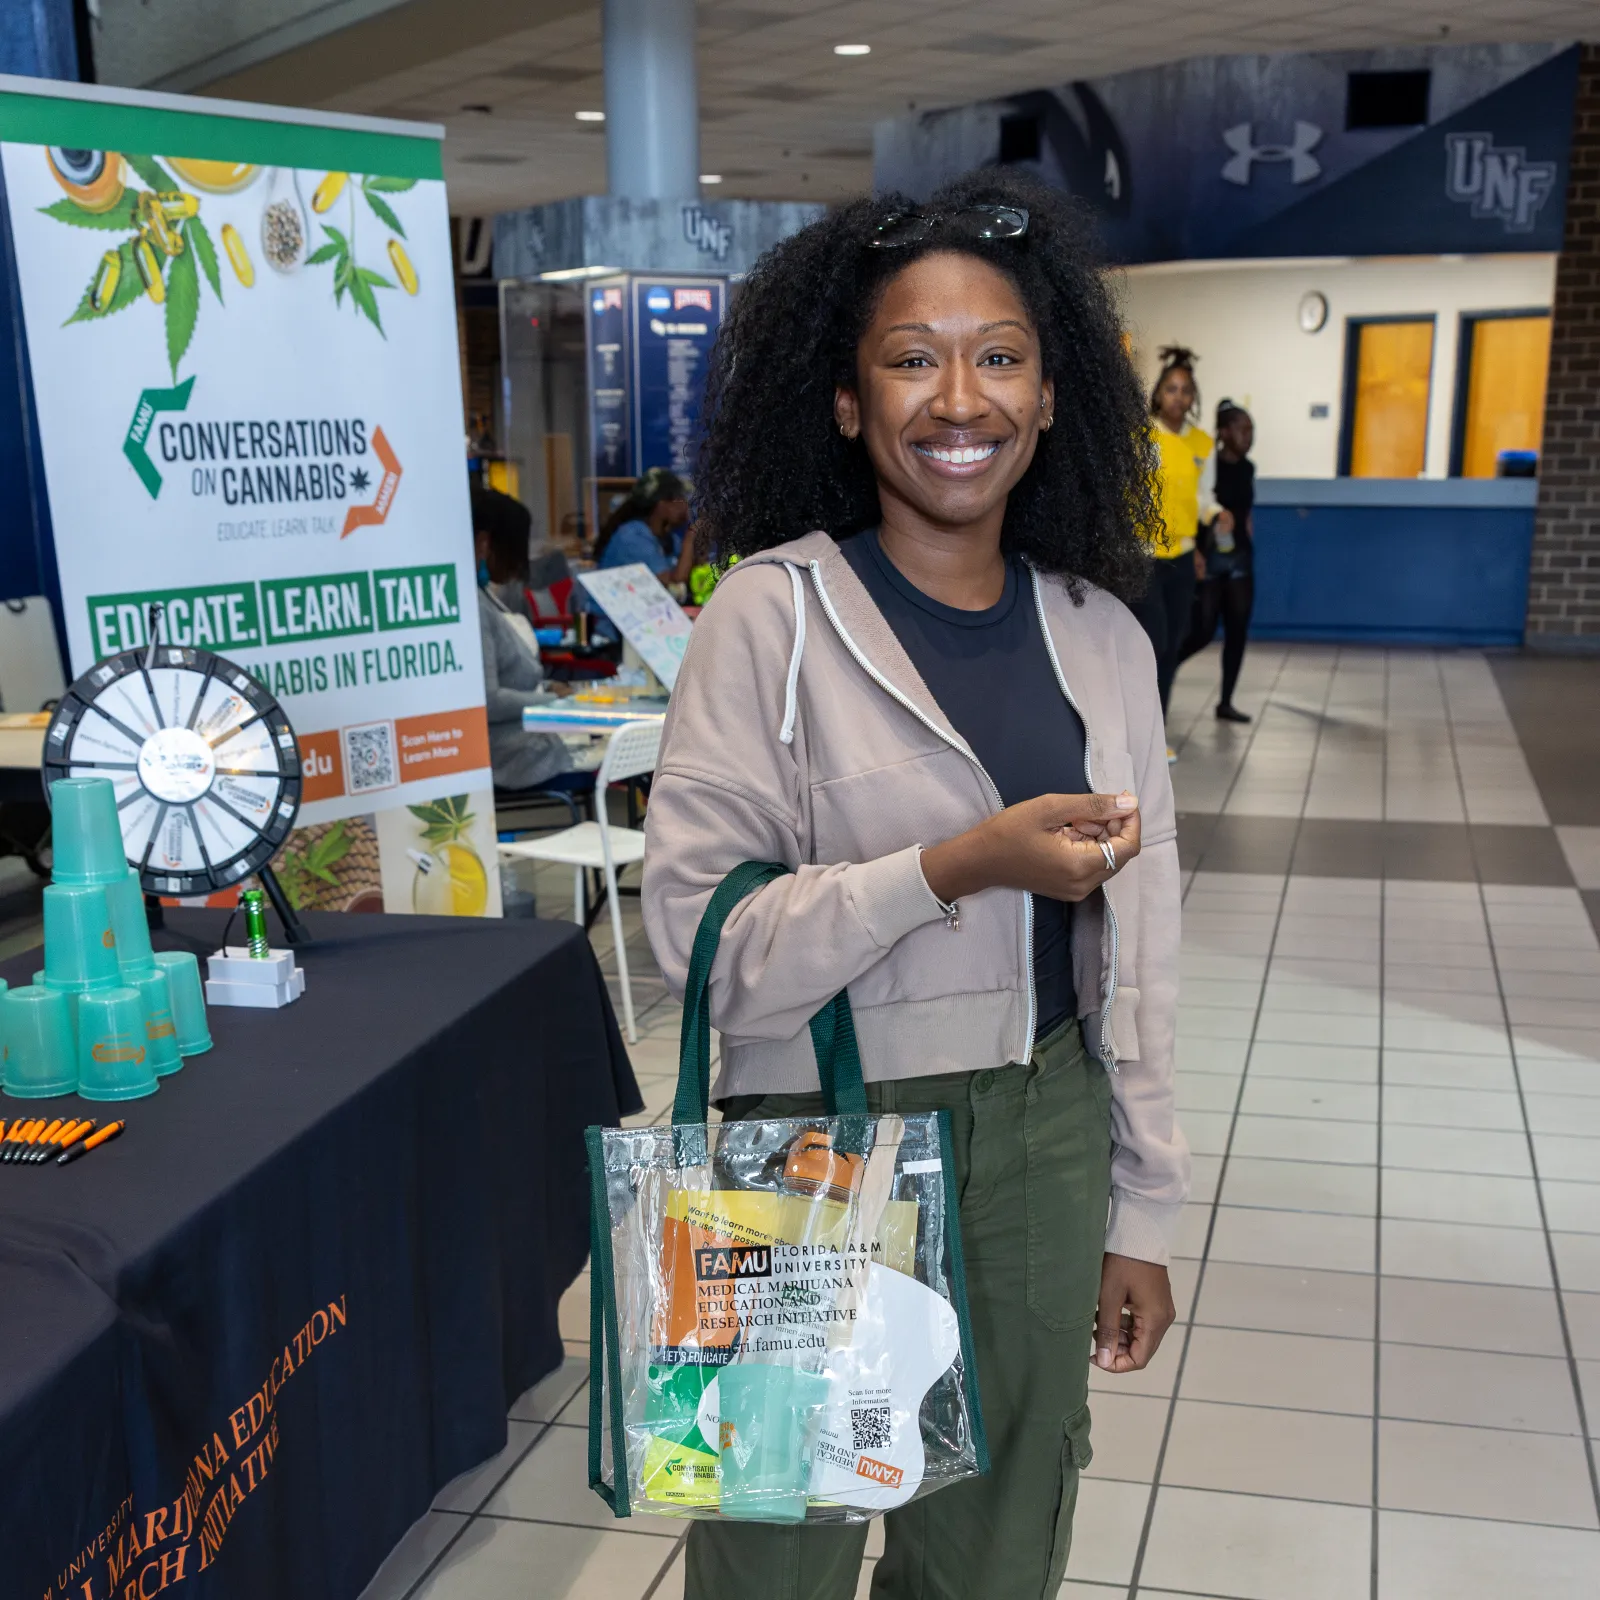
(1564,591)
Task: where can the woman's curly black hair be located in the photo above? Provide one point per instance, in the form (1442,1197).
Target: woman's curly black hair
(773,465)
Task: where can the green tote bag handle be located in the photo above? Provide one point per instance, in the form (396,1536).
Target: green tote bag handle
(833,1033)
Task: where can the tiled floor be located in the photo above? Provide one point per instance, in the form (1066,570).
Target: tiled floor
(1385,1383)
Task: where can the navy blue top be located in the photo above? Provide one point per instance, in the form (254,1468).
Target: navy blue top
(990,673)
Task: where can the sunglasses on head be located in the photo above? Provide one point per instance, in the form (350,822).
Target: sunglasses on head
(901,228)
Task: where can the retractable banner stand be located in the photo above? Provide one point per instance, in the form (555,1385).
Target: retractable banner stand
(242,337)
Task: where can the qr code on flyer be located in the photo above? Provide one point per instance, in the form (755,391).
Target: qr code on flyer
(869,1427)
(369,757)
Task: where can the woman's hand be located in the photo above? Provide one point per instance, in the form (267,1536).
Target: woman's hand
(1050,846)
(1136,1309)
(1199,564)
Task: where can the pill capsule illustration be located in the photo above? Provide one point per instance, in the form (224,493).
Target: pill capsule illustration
(243,268)
(402,266)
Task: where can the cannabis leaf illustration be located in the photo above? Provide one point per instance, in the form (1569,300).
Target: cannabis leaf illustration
(349,277)
(317,860)
(372,192)
(206,253)
(119,219)
(443,820)
(183,307)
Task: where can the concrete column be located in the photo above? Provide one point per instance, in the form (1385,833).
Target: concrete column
(652,100)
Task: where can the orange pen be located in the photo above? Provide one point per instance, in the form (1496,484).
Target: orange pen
(41,1141)
(68,1133)
(22,1137)
(93,1142)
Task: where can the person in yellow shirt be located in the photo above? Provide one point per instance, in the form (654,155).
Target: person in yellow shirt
(1185,472)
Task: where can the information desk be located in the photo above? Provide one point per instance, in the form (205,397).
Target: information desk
(1393,560)
(243,1346)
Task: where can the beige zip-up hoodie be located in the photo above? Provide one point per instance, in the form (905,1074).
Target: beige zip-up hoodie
(799,732)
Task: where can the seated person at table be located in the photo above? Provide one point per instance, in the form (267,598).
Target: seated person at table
(649,526)
(513,675)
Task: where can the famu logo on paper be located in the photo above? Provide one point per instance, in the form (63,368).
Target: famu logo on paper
(264,461)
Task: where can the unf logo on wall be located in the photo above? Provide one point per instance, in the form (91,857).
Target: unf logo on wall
(708,234)
(1497,180)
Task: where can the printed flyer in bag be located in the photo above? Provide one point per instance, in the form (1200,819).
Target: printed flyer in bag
(242,340)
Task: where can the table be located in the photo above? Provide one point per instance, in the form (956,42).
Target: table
(243,1347)
(564,717)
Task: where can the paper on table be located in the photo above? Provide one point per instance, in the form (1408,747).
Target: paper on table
(645,614)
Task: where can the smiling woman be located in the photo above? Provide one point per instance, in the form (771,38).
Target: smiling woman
(920,691)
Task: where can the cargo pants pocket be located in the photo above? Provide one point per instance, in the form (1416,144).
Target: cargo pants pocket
(1076,1454)
(1067,1134)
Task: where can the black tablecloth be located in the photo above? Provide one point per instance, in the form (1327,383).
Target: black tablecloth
(242,1347)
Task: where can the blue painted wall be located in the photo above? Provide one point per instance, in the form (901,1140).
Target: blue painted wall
(1364,561)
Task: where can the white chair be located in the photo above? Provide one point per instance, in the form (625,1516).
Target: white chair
(599,846)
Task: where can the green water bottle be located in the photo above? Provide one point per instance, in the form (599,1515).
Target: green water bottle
(255,923)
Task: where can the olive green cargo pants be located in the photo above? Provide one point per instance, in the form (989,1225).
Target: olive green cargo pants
(1033,1164)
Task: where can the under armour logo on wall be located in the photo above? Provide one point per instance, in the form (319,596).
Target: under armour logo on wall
(1497,180)
(1303,166)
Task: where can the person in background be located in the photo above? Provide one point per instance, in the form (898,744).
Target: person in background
(513,675)
(1183,497)
(649,526)
(1226,546)
(507,523)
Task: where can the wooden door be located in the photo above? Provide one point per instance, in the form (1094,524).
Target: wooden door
(1508,361)
(1386,398)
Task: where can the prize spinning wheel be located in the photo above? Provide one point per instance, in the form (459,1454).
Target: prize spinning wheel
(205,765)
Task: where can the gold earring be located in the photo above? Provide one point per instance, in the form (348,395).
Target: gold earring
(844,431)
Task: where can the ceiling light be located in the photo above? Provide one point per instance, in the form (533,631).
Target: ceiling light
(590,116)
(852,49)
(711,177)
(566,274)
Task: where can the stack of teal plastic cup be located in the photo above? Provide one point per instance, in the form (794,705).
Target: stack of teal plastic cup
(83,1027)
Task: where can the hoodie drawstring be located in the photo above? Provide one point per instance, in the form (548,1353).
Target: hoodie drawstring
(792,683)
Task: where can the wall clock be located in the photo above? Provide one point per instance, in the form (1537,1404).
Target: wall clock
(1313,312)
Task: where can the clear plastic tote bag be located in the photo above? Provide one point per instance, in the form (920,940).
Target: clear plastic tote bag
(779,1328)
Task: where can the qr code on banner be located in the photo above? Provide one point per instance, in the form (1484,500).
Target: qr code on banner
(869,1427)
(369,757)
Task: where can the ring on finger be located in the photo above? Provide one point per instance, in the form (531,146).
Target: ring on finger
(1109,854)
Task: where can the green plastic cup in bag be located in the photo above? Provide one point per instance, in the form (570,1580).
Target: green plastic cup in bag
(36,1025)
(767,1411)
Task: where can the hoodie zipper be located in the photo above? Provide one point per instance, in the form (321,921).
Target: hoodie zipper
(1107,1050)
(928,722)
